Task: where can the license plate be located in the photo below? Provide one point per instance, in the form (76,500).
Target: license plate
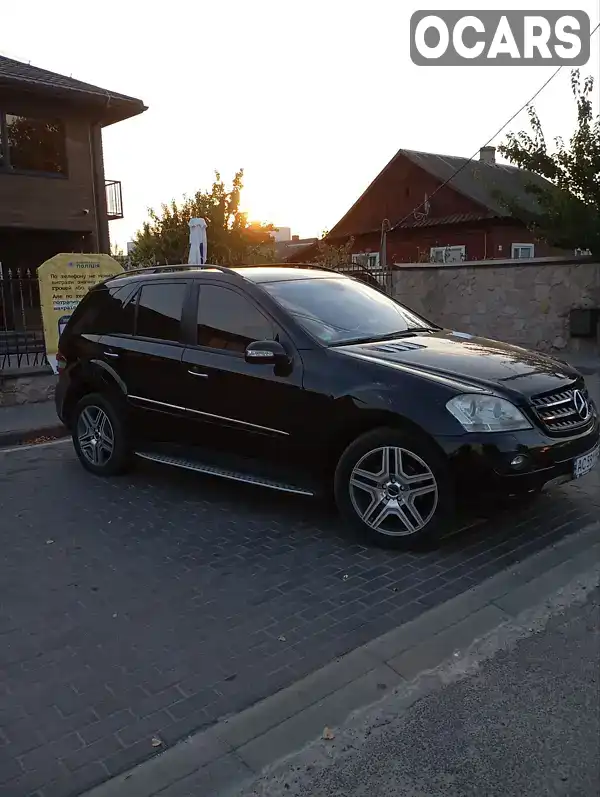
(586,463)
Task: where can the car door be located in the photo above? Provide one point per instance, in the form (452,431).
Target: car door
(149,361)
(245,407)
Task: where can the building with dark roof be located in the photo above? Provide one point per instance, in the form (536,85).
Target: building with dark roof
(53,193)
(439,208)
(296,245)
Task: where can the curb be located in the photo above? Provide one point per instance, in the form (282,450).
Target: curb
(21,436)
(235,750)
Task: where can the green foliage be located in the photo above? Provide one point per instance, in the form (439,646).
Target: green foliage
(231,239)
(570,216)
(331,256)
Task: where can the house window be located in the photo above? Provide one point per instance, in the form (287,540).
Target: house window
(32,145)
(521,251)
(448,254)
(366,259)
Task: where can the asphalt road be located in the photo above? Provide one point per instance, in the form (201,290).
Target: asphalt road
(155,604)
(526,724)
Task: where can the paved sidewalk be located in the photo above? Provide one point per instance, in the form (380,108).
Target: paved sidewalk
(24,422)
(523,723)
(232,753)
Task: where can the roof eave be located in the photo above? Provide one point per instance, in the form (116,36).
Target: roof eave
(119,112)
(109,108)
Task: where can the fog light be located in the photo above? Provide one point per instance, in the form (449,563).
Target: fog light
(518,462)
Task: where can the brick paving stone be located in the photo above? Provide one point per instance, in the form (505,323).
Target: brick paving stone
(157,603)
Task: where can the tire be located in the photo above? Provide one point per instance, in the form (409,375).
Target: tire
(111,454)
(399,519)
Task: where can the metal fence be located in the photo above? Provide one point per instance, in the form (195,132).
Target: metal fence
(377,277)
(21,333)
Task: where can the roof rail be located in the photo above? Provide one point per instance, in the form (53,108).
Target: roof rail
(210,266)
(161,269)
(316,266)
(177,267)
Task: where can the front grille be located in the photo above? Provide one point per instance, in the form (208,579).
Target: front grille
(560,412)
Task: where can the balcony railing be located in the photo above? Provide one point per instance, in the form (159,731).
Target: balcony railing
(114,200)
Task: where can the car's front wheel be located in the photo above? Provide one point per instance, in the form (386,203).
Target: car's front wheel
(394,486)
(99,435)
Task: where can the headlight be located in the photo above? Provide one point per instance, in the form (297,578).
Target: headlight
(477,413)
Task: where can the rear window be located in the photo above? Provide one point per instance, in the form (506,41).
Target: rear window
(159,310)
(104,311)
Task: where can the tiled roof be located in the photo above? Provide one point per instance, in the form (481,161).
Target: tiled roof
(481,181)
(454,218)
(18,74)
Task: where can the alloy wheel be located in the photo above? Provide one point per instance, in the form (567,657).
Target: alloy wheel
(393,491)
(95,435)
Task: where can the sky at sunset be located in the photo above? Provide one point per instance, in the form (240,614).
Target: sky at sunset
(310,98)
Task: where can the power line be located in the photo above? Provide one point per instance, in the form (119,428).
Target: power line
(497,133)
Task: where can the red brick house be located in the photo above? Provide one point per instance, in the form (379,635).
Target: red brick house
(464,220)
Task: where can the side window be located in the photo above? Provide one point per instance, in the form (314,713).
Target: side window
(159,310)
(105,312)
(227,320)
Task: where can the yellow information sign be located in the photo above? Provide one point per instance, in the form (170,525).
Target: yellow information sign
(64,280)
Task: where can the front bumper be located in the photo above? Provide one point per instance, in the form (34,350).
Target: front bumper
(482,462)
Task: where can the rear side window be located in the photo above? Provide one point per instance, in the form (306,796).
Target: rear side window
(104,311)
(227,320)
(159,310)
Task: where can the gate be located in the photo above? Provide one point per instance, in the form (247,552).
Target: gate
(21,331)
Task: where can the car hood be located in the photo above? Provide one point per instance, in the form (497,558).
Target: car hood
(470,360)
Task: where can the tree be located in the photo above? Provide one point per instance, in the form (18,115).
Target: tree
(569,215)
(231,239)
(331,256)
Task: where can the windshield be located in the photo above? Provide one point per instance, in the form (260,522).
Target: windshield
(341,310)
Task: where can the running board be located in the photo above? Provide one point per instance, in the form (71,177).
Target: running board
(223,473)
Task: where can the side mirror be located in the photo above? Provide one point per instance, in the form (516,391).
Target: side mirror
(266,352)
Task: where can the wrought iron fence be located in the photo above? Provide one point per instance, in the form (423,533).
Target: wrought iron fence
(378,277)
(21,332)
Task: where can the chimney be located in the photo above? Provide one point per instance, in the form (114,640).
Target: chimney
(295,237)
(487,155)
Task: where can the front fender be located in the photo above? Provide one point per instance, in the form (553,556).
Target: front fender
(415,401)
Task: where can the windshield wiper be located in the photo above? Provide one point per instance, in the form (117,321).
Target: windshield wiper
(405,333)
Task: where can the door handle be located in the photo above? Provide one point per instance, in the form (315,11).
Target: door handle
(197,373)
(110,354)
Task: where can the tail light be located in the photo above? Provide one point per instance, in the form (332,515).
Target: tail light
(61,362)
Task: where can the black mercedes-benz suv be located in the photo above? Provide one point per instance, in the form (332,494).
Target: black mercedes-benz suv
(303,380)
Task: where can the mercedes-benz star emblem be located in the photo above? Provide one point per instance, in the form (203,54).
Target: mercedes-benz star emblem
(581,405)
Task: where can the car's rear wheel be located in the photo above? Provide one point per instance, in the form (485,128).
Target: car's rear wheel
(99,435)
(394,486)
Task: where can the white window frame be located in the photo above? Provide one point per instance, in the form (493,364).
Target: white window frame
(369,260)
(515,247)
(444,250)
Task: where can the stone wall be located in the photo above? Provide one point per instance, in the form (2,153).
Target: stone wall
(525,303)
(26,385)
